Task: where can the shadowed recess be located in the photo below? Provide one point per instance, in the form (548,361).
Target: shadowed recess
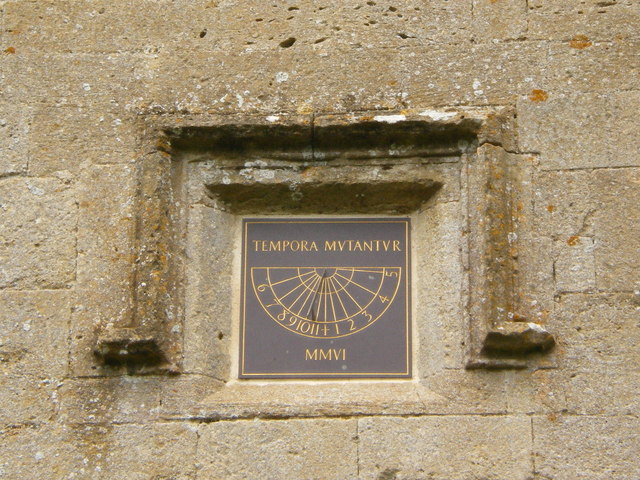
(362,139)
(381,197)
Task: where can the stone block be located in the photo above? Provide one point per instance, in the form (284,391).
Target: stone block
(27,400)
(188,396)
(100,26)
(34,330)
(158,451)
(37,241)
(110,400)
(574,264)
(106,231)
(77,138)
(499,20)
(458,391)
(43,452)
(602,392)
(470,447)
(209,299)
(116,82)
(112,452)
(593,19)
(438,235)
(15,124)
(603,68)
(268,449)
(476,74)
(570,447)
(564,203)
(597,333)
(277,81)
(534,277)
(617,229)
(284,400)
(569,131)
(335,24)
(536,391)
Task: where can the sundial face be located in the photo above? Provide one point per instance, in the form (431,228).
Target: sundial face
(325,302)
(325,297)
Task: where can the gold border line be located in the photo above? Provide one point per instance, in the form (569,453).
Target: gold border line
(407,373)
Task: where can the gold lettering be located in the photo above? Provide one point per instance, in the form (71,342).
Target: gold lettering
(385,244)
(357,246)
(368,246)
(328,354)
(329,246)
(396,246)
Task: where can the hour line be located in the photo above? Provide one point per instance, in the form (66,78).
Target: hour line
(357,284)
(292,278)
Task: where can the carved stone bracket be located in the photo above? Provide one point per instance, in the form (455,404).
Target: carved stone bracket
(501,331)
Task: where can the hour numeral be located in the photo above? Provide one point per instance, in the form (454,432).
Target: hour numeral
(369,316)
(384,299)
(391,274)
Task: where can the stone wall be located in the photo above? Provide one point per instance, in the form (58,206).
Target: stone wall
(92,94)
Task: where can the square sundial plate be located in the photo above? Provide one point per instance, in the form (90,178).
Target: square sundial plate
(325,298)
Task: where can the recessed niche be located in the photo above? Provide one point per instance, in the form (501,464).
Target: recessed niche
(446,170)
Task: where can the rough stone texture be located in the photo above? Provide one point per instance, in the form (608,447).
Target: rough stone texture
(470,447)
(37,241)
(34,333)
(14,130)
(99,452)
(617,229)
(598,332)
(304,449)
(86,88)
(574,267)
(596,134)
(568,447)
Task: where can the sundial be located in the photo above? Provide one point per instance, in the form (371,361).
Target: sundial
(325,297)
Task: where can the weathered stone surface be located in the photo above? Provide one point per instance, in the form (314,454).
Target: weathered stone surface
(34,331)
(277,449)
(594,69)
(37,241)
(589,137)
(207,338)
(99,452)
(574,265)
(499,20)
(598,332)
(77,138)
(112,83)
(106,231)
(617,228)
(114,400)
(106,27)
(27,400)
(561,207)
(568,447)
(15,124)
(470,447)
(597,21)
(438,281)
